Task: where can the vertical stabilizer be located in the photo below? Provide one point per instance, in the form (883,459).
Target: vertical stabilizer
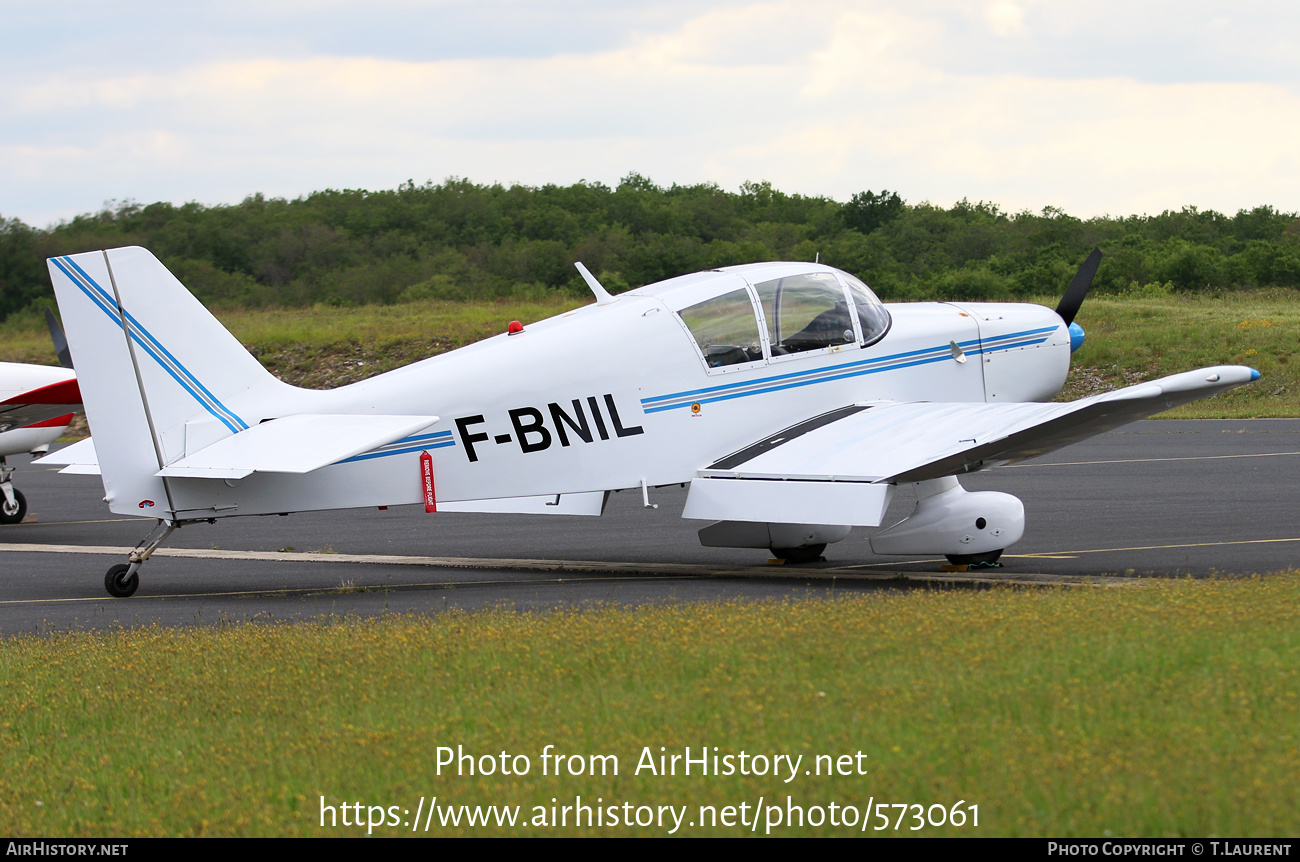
(159,374)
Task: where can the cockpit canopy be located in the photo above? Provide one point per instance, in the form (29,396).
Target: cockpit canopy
(764,320)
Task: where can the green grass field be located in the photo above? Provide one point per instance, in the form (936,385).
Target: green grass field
(1130,339)
(1141,338)
(1169,709)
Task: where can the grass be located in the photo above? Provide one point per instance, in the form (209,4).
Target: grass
(1130,339)
(1140,338)
(326,346)
(1172,709)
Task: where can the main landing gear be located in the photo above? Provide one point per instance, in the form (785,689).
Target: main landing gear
(799,556)
(123,579)
(977,561)
(13,505)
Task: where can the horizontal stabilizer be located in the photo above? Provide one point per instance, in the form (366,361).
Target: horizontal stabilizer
(891,442)
(295,444)
(80,458)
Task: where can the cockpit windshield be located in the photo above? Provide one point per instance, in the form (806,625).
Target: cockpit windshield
(805,312)
(872,315)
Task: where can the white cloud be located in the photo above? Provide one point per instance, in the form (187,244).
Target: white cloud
(1005,18)
(830,97)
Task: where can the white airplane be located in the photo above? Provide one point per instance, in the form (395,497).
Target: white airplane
(790,399)
(36,406)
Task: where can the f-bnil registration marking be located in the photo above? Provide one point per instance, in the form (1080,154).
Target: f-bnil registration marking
(533,434)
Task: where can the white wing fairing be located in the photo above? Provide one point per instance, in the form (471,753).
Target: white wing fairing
(655,386)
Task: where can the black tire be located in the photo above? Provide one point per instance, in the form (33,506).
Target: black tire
(15,515)
(118,585)
(987,559)
(805,554)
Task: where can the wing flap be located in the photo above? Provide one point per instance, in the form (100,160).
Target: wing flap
(295,444)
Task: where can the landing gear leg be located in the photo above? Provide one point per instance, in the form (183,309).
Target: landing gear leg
(123,579)
(13,505)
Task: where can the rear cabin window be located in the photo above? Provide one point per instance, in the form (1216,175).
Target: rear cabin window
(805,312)
(725,328)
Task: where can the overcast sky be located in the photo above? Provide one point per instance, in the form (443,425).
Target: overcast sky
(1101,107)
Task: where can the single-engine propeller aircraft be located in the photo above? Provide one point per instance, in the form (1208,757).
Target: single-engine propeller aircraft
(789,398)
(36,406)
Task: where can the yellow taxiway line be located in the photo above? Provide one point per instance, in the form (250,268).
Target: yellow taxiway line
(1069,555)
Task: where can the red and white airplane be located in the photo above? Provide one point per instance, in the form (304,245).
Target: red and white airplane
(37,403)
(790,399)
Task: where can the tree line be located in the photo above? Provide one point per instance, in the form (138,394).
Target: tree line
(461,240)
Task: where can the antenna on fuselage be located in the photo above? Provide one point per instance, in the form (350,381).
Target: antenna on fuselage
(603,296)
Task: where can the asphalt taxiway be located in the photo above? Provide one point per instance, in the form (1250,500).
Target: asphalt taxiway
(1156,498)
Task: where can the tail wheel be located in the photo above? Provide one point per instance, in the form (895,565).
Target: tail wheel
(986,559)
(118,584)
(13,514)
(805,554)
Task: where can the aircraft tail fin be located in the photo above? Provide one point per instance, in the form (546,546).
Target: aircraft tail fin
(160,376)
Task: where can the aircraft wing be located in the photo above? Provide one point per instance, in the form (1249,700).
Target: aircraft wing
(34,393)
(838,468)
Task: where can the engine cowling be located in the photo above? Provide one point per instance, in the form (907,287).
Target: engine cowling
(948,519)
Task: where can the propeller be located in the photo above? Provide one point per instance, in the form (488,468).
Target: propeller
(1078,289)
(60,340)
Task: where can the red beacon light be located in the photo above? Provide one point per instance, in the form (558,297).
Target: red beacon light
(514,328)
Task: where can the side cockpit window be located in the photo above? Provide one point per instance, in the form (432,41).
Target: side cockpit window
(805,312)
(726,329)
(873,318)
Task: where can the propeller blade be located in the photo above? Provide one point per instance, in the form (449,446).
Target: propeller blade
(1078,288)
(60,340)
